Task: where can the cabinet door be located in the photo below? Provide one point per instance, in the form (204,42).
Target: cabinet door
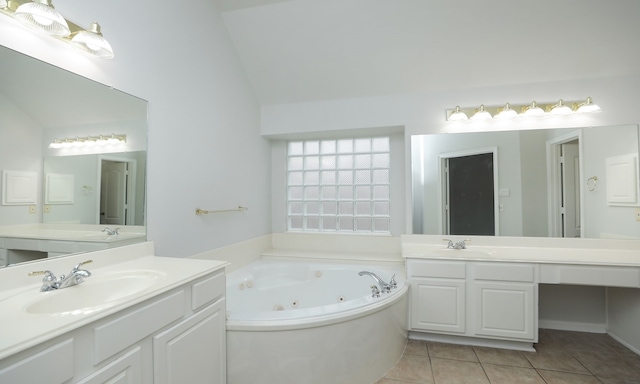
(438,305)
(194,350)
(124,370)
(505,310)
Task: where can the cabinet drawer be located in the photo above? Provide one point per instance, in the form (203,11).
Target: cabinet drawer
(433,268)
(118,334)
(53,365)
(504,272)
(590,275)
(207,290)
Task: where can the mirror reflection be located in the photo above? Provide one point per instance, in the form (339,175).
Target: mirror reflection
(58,200)
(573,182)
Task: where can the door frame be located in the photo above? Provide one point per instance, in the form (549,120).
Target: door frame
(554,185)
(131,185)
(443,181)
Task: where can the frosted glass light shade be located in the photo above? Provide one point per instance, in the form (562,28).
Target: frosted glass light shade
(533,110)
(506,113)
(560,109)
(458,115)
(481,114)
(588,106)
(3,3)
(92,42)
(40,15)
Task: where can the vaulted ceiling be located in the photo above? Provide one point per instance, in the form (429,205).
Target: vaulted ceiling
(309,50)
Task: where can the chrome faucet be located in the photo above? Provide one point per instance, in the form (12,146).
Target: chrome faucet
(384,287)
(111,232)
(75,277)
(458,245)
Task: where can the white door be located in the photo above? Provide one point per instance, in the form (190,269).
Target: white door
(570,173)
(113,192)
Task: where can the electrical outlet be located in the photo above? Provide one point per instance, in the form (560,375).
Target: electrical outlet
(637,214)
(47,209)
(33,209)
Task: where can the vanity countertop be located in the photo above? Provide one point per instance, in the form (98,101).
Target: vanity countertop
(21,327)
(602,252)
(72,232)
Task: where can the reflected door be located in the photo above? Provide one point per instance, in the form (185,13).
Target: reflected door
(470,186)
(570,174)
(113,192)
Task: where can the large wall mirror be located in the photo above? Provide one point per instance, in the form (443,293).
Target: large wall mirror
(571,182)
(40,103)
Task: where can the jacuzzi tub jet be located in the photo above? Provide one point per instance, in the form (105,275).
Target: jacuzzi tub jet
(294,303)
(341,299)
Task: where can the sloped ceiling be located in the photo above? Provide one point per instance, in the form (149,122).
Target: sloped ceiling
(309,50)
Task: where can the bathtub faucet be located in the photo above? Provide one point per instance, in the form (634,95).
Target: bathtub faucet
(384,287)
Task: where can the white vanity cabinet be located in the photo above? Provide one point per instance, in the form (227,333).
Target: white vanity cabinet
(438,295)
(175,337)
(489,300)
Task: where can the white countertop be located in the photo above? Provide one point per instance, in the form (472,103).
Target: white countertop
(72,232)
(604,252)
(20,329)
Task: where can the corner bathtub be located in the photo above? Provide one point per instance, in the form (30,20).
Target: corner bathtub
(311,322)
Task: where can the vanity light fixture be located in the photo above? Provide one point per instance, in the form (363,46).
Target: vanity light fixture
(89,141)
(92,42)
(560,108)
(506,113)
(41,15)
(481,114)
(586,107)
(509,111)
(457,115)
(532,110)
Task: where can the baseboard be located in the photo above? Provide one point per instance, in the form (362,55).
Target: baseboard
(572,326)
(621,341)
(474,341)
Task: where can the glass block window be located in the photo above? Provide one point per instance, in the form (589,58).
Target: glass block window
(339,185)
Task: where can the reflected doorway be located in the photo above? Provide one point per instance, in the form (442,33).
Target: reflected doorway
(564,186)
(469,181)
(117,186)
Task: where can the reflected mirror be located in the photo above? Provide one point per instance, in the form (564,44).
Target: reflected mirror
(572,182)
(67,194)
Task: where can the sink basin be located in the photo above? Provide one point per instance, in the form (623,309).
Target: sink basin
(463,253)
(96,292)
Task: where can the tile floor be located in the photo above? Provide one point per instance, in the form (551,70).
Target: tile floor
(562,358)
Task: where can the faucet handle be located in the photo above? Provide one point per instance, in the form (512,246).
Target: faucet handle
(77,266)
(450,243)
(392,283)
(48,275)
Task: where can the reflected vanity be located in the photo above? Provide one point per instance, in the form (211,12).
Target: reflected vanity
(69,195)
(533,194)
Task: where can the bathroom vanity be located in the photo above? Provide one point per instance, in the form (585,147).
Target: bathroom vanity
(138,318)
(487,294)
(19,243)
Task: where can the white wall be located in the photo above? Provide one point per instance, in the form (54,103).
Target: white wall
(204,144)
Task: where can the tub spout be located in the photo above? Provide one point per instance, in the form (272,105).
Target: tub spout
(384,287)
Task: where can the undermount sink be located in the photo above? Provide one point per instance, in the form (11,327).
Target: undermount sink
(96,292)
(464,253)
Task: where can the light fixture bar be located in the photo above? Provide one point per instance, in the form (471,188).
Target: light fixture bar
(88,141)
(533,109)
(88,37)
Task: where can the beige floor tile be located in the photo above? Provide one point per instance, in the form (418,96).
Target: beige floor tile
(502,357)
(556,377)
(555,361)
(502,374)
(611,365)
(416,347)
(412,369)
(605,380)
(451,351)
(389,381)
(447,371)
